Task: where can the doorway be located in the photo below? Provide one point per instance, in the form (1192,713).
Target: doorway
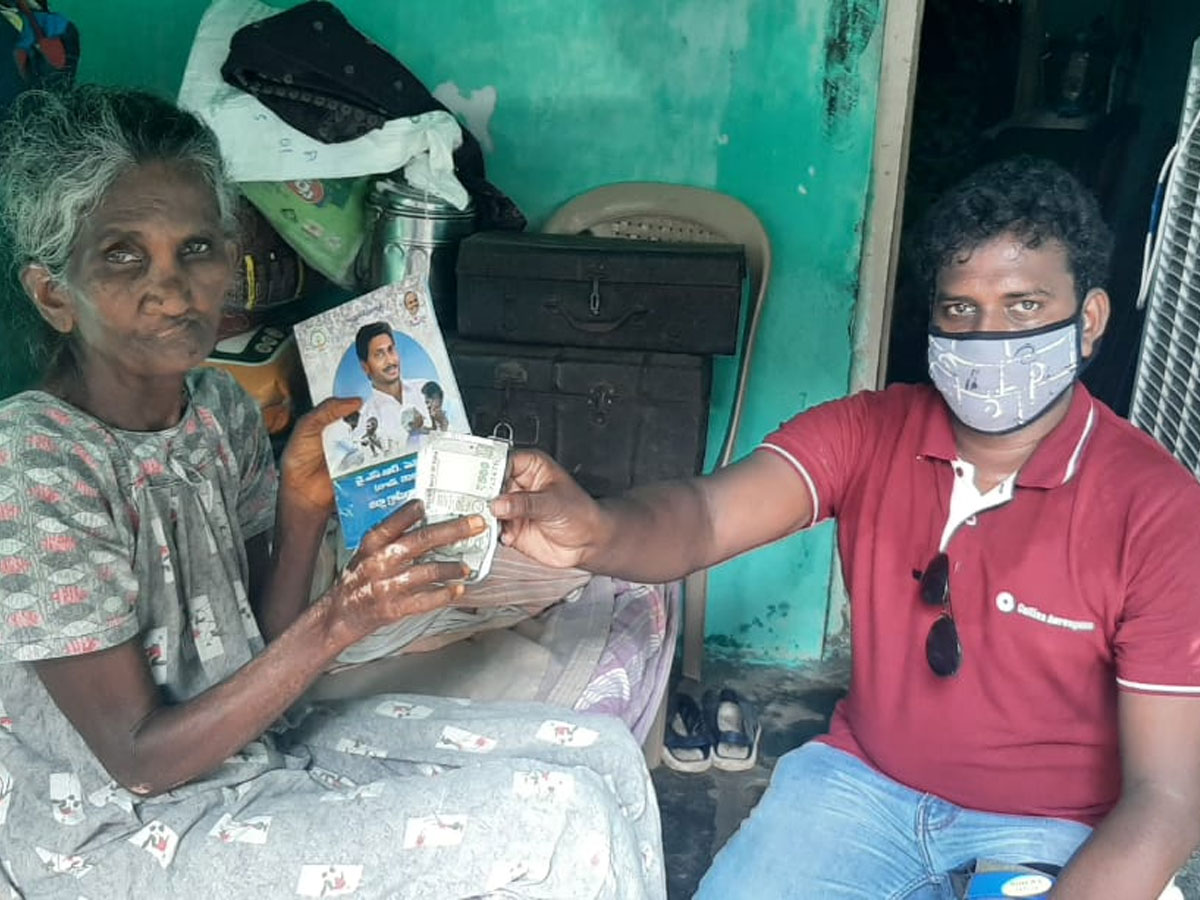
(1095,85)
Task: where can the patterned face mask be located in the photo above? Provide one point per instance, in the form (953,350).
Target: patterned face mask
(1000,381)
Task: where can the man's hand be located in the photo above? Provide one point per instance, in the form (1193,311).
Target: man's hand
(651,533)
(545,514)
(303,476)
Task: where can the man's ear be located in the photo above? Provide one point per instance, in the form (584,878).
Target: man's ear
(50,297)
(1096,307)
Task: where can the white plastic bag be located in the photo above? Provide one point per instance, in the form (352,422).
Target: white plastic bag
(259,146)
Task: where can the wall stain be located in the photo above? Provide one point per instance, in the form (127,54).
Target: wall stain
(724,642)
(848,29)
(756,622)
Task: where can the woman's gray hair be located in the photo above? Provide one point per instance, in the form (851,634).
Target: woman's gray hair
(61,151)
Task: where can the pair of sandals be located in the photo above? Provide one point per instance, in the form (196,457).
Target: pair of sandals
(721,732)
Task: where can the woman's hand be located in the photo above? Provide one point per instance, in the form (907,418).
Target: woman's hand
(387,580)
(545,514)
(149,745)
(303,475)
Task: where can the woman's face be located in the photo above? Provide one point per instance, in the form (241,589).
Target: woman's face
(148,274)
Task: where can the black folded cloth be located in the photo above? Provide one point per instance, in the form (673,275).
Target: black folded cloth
(319,74)
(322,76)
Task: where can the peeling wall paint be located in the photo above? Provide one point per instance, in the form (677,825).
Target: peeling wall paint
(474,109)
(772,101)
(848,31)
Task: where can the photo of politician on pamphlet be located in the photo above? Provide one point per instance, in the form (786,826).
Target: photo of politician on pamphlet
(386,348)
(402,400)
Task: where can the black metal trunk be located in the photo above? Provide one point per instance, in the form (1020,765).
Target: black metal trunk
(583,291)
(611,418)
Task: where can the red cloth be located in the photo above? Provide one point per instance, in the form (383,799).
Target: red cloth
(1085,582)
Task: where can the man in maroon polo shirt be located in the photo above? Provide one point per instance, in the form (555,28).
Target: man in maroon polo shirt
(1024,573)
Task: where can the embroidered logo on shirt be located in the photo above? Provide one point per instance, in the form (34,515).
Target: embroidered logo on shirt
(1007,603)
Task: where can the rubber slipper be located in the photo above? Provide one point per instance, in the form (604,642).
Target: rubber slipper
(687,744)
(734,723)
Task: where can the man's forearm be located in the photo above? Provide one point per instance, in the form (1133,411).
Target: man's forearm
(1134,852)
(653,534)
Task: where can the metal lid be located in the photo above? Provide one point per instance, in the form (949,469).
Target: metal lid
(398,197)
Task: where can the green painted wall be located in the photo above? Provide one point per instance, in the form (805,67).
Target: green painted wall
(1064,18)
(772,101)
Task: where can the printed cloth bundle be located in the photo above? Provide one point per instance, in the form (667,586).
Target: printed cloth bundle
(326,79)
(259,145)
(314,71)
(42,47)
(310,111)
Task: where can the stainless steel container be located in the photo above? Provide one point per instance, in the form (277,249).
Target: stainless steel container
(410,233)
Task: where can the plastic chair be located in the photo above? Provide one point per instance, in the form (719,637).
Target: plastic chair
(652,211)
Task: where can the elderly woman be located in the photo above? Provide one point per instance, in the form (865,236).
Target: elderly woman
(154,578)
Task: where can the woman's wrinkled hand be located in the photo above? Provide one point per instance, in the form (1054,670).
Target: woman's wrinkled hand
(388,578)
(303,475)
(545,514)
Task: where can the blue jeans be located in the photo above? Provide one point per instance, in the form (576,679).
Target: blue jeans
(831,827)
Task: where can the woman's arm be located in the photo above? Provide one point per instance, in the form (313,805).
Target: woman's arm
(150,747)
(281,564)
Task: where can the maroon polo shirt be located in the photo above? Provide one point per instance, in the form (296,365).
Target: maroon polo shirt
(1083,580)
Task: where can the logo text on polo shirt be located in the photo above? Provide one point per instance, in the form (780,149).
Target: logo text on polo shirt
(1007,603)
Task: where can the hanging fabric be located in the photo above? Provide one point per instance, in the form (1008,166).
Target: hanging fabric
(41,48)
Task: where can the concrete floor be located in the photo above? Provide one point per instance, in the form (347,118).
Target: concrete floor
(700,811)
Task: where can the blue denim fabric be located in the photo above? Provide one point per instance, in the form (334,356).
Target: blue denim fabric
(830,826)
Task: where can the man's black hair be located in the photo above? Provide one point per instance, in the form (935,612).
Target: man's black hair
(368,333)
(432,390)
(1033,199)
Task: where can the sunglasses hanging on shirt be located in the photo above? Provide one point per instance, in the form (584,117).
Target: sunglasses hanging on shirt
(943,651)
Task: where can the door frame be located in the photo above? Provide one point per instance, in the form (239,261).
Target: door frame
(889,166)
(881,239)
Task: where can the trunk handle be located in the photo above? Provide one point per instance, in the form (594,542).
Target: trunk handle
(603,326)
